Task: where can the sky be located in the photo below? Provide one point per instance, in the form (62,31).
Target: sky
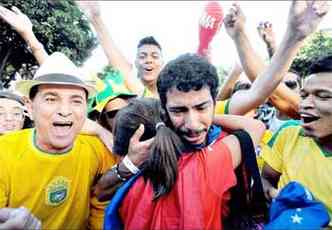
(175,25)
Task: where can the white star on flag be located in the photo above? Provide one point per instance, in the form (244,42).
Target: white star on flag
(296,219)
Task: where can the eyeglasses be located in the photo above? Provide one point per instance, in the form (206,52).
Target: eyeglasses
(111,114)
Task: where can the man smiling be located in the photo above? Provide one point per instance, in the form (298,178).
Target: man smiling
(62,165)
(303,153)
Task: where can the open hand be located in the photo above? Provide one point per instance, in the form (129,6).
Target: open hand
(139,151)
(16,19)
(90,8)
(304,17)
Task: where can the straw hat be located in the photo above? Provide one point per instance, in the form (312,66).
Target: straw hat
(56,70)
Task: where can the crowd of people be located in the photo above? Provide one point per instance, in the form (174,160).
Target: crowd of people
(161,146)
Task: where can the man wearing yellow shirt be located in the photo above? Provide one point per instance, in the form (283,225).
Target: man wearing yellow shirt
(148,62)
(303,153)
(51,169)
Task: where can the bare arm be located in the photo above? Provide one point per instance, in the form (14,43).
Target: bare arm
(22,25)
(112,52)
(138,152)
(282,97)
(91,127)
(226,90)
(270,179)
(303,19)
(254,127)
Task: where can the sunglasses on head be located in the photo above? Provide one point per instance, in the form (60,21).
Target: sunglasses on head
(111,114)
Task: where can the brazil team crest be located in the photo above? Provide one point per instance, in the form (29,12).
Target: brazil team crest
(57,191)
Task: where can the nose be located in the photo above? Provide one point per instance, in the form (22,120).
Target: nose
(64,110)
(192,121)
(9,117)
(148,59)
(307,103)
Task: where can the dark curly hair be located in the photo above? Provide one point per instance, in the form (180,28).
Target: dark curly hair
(321,65)
(150,40)
(187,72)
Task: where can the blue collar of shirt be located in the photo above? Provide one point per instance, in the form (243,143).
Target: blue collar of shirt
(213,133)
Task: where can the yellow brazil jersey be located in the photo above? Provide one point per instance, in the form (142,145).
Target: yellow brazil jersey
(299,158)
(148,93)
(222,107)
(55,188)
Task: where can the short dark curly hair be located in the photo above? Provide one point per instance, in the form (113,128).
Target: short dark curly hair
(187,72)
(323,64)
(150,40)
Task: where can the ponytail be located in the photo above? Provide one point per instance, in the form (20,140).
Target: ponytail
(162,167)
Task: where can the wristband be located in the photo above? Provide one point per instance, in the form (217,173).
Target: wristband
(115,169)
(130,166)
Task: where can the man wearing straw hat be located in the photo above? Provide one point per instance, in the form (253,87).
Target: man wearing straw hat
(51,169)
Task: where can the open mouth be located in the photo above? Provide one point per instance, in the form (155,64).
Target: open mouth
(309,119)
(148,69)
(63,124)
(193,137)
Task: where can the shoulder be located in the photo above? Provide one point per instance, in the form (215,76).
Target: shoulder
(94,146)
(16,140)
(289,129)
(225,148)
(91,142)
(14,144)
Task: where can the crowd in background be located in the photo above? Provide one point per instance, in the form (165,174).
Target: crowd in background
(154,145)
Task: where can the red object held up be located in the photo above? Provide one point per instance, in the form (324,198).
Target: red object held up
(209,24)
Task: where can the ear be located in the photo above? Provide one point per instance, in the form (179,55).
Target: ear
(29,106)
(136,62)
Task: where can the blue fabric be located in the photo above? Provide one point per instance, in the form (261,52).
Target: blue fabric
(112,218)
(213,134)
(295,208)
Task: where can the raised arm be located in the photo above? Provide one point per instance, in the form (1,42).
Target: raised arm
(112,52)
(23,26)
(226,90)
(254,127)
(265,31)
(304,17)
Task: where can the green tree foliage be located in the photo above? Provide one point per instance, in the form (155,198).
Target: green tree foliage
(317,46)
(58,24)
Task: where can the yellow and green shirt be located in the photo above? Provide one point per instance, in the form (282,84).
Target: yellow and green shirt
(299,158)
(55,188)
